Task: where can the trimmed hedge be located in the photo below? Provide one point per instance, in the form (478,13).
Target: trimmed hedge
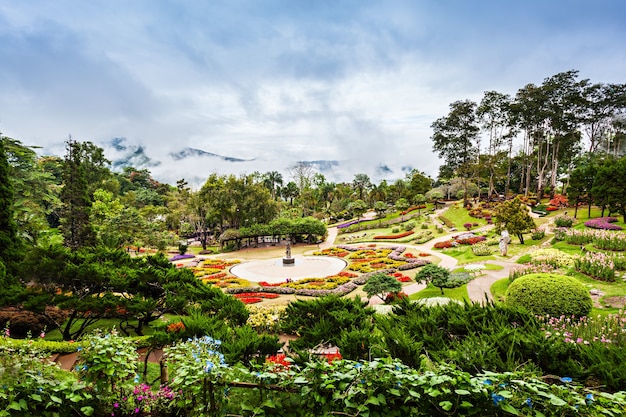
(551,294)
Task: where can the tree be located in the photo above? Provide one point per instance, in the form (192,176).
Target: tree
(494,113)
(454,139)
(380,207)
(290,191)
(76,200)
(380,285)
(418,183)
(357,208)
(434,274)
(361,185)
(273,180)
(514,217)
(402,204)
(9,241)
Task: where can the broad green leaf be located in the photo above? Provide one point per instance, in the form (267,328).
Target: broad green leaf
(509,409)
(554,400)
(446,405)
(462,392)
(87,410)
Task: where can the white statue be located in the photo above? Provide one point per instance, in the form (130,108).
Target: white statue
(505,239)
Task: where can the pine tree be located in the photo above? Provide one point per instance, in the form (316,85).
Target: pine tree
(10,243)
(8,227)
(75,224)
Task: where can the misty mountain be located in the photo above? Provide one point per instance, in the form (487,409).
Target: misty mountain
(192,152)
(195,165)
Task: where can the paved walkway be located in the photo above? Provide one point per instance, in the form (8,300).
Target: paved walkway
(478,289)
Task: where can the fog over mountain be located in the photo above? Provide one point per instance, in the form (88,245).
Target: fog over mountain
(195,165)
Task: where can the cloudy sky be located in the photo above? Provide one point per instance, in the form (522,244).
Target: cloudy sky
(278,81)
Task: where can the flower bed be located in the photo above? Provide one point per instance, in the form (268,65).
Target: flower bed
(603,223)
(443,245)
(254,297)
(554,257)
(401,277)
(179,257)
(396,236)
(334,251)
(471,240)
(597,265)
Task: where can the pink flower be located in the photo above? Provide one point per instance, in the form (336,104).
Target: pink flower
(116,405)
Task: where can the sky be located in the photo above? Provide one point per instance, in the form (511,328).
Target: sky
(280,81)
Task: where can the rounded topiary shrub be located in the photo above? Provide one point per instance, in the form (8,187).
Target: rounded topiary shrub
(551,294)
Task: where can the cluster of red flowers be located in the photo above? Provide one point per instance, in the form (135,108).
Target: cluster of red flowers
(443,245)
(216,276)
(410,209)
(281,361)
(394,296)
(398,236)
(175,327)
(471,240)
(254,297)
(267,284)
(400,277)
(424,254)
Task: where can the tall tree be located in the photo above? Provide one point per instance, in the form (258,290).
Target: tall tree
(75,224)
(454,139)
(361,185)
(273,180)
(494,112)
(8,228)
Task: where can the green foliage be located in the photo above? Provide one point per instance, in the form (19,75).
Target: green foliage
(551,294)
(380,285)
(33,386)
(409,226)
(436,275)
(197,372)
(324,319)
(513,216)
(108,363)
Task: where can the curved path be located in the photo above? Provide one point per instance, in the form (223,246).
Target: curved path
(478,289)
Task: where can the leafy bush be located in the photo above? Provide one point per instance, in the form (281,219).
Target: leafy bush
(424,226)
(24,322)
(409,226)
(324,319)
(549,294)
(395,230)
(563,221)
(538,234)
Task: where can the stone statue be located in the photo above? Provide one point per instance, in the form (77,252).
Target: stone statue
(288,250)
(503,244)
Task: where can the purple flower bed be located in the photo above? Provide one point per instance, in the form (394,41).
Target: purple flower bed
(273,290)
(603,223)
(344,225)
(179,257)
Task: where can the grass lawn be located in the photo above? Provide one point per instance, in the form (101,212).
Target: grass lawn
(498,289)
(458,215)
(464,254)
(488,267)
(459,293)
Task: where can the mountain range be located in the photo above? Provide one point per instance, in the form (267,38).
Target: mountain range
(195,165)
